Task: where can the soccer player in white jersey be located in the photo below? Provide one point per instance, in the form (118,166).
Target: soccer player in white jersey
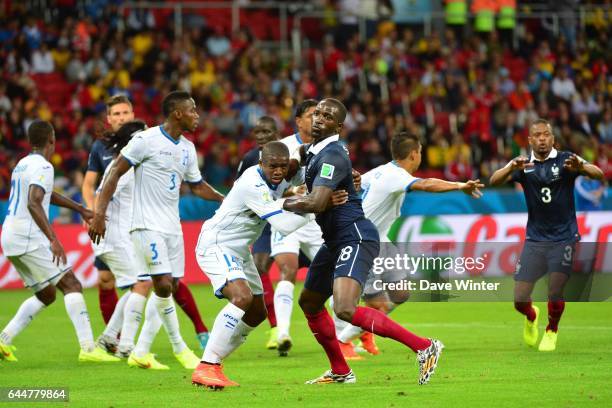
(162,158)
(29,243)
(286,248)
(383,191)
(223,254)
(117,251)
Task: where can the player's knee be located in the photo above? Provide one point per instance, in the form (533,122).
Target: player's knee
(308,306)
(106,280)
(69,284)
(47,295)
(243,300)
(288,273)
(163,285)
(344,311)
(398,297)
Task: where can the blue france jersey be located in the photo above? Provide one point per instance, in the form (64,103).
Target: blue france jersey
(328,164)
(99,157)
(549,193)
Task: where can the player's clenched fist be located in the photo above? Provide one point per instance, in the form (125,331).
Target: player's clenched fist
(97,228)
(521,163)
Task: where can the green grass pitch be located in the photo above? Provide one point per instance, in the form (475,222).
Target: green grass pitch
(484,363)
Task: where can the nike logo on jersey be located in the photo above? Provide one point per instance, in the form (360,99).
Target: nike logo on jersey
(259,185)
(528,171)
(339,265)
(107,157)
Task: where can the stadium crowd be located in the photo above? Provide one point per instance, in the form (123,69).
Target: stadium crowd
(469,101)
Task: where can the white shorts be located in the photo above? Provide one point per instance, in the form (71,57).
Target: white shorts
(122,262)
(37,270)
(222,266)
(307,238)
(158,253)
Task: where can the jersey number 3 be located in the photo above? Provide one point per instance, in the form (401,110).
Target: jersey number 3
(546,198)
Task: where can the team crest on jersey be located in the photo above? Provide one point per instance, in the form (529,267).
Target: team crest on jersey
(555,172)
(266,196)
(327,171)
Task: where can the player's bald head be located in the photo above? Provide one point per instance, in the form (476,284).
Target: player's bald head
(267,122)
(274,150)
(338,107)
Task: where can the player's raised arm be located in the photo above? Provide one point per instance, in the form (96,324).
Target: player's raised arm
(63,201)
(206,191)
(581,166)
(504,174)
(97,228)
(434,185)
(36,194)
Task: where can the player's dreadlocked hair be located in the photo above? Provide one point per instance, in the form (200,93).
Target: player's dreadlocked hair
(121,137)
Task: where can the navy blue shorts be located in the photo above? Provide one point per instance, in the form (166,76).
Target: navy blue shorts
(352,259)
(262,245)
(540,258)
(100,265)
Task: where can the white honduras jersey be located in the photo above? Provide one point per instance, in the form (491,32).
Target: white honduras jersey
(118,212)
(384,189)
(160,166)
(293,142)
(243,214)
(20,234)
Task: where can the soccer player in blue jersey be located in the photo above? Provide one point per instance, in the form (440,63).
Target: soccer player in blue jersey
(547,178)
(342,265)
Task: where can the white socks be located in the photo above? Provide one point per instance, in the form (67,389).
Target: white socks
(77,310)
(223,333)
(349,333)
(116,321)
(28,309)
(167,313)
(132,315)
(283,306)
(149,330)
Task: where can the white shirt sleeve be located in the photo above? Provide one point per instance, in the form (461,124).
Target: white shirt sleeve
(260,201)
(193,175)
(42,176)
(403,183)
(136,151)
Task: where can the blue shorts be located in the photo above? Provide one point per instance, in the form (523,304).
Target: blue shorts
(100,265)
(352,260)
(262,245)
(540,258)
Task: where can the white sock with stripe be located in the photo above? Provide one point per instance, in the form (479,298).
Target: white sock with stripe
(132,316)
(26,312)
(77,310)
(283,306)
(149,330)
(219,343)
(116,321)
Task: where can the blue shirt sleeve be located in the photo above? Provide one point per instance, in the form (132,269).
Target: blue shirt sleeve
(95,162)
(332,169)
(517,176)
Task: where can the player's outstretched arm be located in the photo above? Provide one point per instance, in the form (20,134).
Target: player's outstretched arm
(434,185)
(504,174)
(575,163)
(97,228)
(63,201)
(89,187)
(36,194)
(206,191)
(315,202)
